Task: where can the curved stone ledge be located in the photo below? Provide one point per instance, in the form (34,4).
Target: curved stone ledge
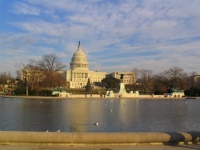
(97,138)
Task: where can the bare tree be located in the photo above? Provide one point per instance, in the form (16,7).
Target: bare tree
(160,84)
(51,67)
(35,75)
(31,74)
(23,75)
(5,78)
(175,77)
(145,79)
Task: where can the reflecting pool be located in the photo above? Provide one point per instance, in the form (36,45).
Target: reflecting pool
(112,115)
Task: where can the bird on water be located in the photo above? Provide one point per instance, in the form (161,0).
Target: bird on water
(96,124)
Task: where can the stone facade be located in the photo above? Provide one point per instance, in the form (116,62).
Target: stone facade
(195,80)
(128,77)
(78,74)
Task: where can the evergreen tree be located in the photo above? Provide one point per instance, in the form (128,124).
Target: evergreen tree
(110,82)
(88,87)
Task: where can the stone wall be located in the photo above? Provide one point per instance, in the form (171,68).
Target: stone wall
(7,137)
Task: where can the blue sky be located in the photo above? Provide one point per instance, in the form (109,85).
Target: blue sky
(116,35)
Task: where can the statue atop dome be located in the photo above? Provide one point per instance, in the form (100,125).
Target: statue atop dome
(79,46)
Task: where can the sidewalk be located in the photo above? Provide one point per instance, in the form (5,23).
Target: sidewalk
(99,147)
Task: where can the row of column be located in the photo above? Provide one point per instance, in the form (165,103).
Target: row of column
(80,75)
(80,65)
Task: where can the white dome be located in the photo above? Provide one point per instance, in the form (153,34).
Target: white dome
(79,60)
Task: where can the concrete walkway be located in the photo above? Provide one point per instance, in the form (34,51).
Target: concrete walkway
(100,147)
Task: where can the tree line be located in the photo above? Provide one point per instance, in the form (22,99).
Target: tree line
(36,77)
(40,77)
(148,82)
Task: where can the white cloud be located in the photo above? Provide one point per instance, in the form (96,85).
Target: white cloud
(153,34)
(25,9)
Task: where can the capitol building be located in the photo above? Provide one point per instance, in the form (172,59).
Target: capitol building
(78,74)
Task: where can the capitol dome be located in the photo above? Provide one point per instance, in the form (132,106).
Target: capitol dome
(79,60)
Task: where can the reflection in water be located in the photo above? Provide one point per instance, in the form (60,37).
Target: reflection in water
(78,115)
(128,113)
(112,115)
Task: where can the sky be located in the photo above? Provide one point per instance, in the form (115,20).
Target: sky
(116,35)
